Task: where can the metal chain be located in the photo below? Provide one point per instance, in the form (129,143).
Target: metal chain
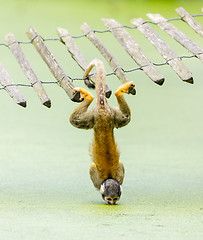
(108,74)
(98,31)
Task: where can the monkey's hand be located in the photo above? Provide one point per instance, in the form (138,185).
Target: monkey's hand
(85,95)
(125,88)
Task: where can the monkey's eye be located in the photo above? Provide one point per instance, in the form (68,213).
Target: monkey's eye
(115,199)
(108,199)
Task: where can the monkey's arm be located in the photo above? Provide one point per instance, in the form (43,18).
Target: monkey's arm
(122,115)
(81,117)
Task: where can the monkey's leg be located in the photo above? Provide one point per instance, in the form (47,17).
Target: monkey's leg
(120,172)
(94,175)
(81,117)
(122,115)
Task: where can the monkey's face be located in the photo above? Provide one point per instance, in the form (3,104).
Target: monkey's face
(111,191)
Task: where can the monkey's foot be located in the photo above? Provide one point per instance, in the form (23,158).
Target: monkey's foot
(125,88)
(84,94)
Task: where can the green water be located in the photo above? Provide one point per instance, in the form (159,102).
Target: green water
(45,190)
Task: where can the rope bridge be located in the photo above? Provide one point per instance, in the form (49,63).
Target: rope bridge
(122,36)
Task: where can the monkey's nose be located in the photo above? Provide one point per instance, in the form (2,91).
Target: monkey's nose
(111,202)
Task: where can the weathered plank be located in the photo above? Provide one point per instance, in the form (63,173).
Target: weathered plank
(106,54)
(75,52)
(175,33)
(133,49)
(62,79)
(27,69)
(10,87)
(163,48)
(78,57)
(197,27)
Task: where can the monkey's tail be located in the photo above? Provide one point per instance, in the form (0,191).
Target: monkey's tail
(100,80)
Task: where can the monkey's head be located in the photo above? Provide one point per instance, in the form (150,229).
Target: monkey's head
(111,191)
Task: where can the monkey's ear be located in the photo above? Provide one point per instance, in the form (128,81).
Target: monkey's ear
(102,189)
(121,189)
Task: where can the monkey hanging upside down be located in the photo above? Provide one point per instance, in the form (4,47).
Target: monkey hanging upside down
(106,172)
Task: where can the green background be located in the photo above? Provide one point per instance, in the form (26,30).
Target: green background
(45,190)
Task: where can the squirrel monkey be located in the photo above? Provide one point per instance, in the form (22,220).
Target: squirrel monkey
(106,172)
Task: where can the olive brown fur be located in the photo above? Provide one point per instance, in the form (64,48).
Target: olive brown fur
(106,172)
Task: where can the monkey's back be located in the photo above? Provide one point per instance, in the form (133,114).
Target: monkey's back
(104,150)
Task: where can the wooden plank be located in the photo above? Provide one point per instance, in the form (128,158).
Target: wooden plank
(62,79)
(11,87)
(78,57)
(106,54)
(197,27)
(176,34)
(133,49)
(163,48)
(27,69)
(75,52)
